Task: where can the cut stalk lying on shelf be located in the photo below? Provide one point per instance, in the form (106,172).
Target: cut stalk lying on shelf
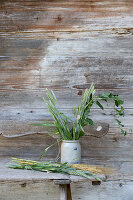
(51,167)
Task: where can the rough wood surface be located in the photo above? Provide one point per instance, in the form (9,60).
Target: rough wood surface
(63,181)
(47,191)
(117,190)
(63,192)
(64,46)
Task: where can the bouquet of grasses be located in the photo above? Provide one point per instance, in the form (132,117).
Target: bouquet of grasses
(73,129)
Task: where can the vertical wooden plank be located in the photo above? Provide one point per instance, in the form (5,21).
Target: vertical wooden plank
(63,191)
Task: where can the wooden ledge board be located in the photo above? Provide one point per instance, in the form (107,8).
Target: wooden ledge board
(7,174)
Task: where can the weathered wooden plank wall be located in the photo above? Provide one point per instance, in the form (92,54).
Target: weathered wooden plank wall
(66,45)
(37,190)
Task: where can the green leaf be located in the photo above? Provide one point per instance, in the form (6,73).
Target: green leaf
(81,133)
(120,112)
(116,103)
(77,112)
(90,96)
(52,98)
(53,95)
(120,102)
(66,117)
(74,111)
(123,132)
(105,95)
(45,150)
(110,95)
(41,124)
(90,121)
(100,105)
(118,121)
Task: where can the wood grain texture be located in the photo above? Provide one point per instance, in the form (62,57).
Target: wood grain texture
(113,190)
(45,190)
(64,46)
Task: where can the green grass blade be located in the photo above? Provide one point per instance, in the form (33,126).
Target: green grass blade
(45,150)
(41,124)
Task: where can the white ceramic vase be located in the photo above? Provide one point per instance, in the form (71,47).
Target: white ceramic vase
(70,151)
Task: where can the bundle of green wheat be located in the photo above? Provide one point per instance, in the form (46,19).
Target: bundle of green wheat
(51,167)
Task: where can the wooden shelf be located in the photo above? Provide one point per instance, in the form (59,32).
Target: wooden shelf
(7,174)
(17,175)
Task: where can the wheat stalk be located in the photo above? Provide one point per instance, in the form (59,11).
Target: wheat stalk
(51,167)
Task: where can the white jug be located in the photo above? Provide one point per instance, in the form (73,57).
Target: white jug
(70,151)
